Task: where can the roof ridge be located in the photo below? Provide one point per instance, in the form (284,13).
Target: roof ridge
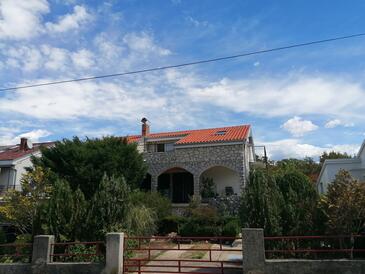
(190,130)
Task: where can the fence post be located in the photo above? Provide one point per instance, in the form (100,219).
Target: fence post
(253,250)
(114,253)
(42,249)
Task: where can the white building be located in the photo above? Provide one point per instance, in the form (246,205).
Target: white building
(14,160)
(356,167)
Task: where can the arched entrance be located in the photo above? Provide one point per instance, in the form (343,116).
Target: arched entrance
(176,184)
(223,181)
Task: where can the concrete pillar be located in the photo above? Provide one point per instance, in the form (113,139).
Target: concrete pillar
(154,183)
(253,250)
(196,179)
(114,253)
(42,249)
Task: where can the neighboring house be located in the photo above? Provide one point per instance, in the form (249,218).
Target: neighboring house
(14,160)
(179,161)
(356,167)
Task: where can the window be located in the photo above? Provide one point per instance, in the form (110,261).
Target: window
(169,147)
(221,132)
(160,147)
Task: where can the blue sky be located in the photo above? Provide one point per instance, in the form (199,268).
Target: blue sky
(299,102)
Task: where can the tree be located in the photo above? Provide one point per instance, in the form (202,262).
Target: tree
(299,199)
(21,207)
(83,163)
(333,155)
(344,204)
(307,166)
(65,213)
(260,203)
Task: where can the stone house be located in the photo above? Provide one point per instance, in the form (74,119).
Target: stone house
(356,167)
(14,160)
(178,162)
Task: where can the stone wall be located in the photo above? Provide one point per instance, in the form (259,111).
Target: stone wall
(196,160)
(254,261)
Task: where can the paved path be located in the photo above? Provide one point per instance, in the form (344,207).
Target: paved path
(195,267)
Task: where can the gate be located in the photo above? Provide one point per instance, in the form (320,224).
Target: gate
(190,255)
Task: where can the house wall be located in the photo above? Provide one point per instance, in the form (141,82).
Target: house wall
(196,160)
(20,166)
(5,177)
(223,177)
(331,168)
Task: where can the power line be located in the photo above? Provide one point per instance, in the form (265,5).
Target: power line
(186,64)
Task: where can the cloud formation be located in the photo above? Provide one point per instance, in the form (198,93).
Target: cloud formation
(337,122)
(298,127)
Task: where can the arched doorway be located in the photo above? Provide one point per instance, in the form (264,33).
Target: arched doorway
(177,184)
(223,180)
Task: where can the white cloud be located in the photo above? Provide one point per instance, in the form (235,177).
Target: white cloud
(298,127)
(71,21)
(294,148)
(83,59)
(11,136)
(143,44)
(35,135)
(296,95)
(337,122)
(21,19)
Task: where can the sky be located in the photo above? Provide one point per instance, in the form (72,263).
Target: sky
(299,102)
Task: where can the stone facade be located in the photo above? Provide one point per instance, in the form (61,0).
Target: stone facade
(197,159)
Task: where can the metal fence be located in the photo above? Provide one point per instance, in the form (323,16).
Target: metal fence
(181,255)
(315,247)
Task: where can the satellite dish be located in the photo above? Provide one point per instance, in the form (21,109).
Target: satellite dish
(29,144)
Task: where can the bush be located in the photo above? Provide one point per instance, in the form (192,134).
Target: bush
(207,188)
(195,229)
(170,224)
(154,201)
(231,229)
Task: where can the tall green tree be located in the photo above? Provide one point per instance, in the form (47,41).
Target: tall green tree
(83,163)
(299,200)
(344,204)
(109,207)
(260,203)
(333,155)
(65,213)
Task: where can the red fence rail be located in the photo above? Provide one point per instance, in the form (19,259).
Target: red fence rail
(15,252)
(78,251)
(315,246)
(180,255)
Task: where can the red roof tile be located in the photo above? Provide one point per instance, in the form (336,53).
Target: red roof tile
(198,136)
(14,152)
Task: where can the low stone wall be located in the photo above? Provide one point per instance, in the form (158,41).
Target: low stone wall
(254,261)
(315,267)
(42,263)
(52,268)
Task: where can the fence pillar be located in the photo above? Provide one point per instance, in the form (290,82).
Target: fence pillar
(42,249)
(253,250)
(114,253)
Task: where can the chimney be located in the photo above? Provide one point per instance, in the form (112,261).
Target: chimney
(23,143)
(145,127)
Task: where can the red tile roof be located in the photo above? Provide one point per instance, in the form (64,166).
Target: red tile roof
(199,136)
(14,152)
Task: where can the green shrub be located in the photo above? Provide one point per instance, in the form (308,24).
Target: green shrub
(231,229)
(170,224)
(195,229)
(152,200)
(207,188)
